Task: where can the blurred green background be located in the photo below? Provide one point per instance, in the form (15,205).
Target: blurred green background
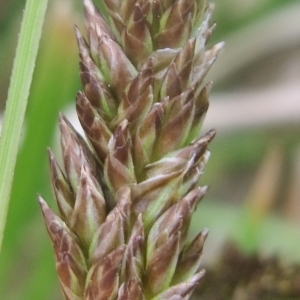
(254,170)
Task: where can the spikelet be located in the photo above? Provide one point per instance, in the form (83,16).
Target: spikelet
(126,197)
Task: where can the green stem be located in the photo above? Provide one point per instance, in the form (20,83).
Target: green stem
(18,93)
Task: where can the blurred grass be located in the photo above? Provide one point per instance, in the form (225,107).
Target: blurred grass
(227,221)
(232,15)
(27,268)
(55,83)
(17,99)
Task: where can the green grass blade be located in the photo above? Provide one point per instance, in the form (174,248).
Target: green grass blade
(18,93)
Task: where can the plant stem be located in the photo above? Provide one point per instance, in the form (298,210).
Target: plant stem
(18,93)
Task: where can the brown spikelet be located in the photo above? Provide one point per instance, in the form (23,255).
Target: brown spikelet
(126,196)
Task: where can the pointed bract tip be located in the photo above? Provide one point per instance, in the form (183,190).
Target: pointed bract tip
(213,26)
(80,94)
(62,118)
(209,86)
(65,123)
(205,233)
(40,198)
(124,124)
(78,34)
(203,190)
(77,31)
(210,134)
(44,205)
(89,7)
(50,154)
(197,194)
(82,44)
(199,275)
(218,47)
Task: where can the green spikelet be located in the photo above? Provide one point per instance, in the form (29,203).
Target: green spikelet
(126,198)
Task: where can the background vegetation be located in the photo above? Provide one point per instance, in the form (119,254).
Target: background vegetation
(254,171)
